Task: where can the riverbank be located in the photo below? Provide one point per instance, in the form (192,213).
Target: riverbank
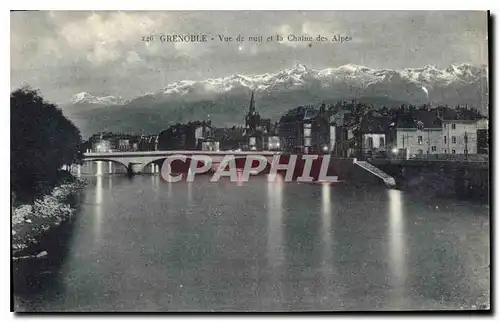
(30,222)
(440,179)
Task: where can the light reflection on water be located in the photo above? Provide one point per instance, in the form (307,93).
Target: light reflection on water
(397,242)
(138,236)
(275,247)
(326,237)
(98,209)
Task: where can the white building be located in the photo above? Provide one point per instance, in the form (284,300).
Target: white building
(451,132)
(374,141)
(459,137)
(413,141)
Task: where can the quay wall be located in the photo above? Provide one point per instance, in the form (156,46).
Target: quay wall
(443,179)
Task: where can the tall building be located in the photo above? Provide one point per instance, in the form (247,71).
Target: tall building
(252,119)
(303,130)
(460,131)
(257,129)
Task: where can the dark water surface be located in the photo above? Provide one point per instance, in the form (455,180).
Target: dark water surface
(142,244)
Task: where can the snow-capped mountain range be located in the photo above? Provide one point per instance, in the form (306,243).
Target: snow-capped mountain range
(225,100)
(86,98)
(359,80)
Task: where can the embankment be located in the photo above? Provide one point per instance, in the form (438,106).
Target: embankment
(31,222)
(441,179)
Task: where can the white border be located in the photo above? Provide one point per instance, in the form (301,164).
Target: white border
(254,5)
(197,5)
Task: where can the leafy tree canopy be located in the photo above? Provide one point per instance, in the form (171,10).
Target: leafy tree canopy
(42,141)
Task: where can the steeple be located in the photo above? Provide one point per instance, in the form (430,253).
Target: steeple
(252,105)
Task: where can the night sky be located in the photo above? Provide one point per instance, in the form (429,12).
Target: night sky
(103,53)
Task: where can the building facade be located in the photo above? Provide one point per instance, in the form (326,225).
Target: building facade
(188,136)
(417,142)
(305,130)
(459,137)
(257,129)
(419,135)
(441,131)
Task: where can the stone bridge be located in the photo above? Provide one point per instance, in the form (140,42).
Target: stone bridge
(136,162)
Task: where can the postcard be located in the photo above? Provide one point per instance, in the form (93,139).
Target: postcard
(250,161)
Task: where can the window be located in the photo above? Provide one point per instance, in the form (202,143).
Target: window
(453,126)
(453,139)
(382,142)
(433,148)
(445,140)
(420,139)
(444,125)
(370,142)
(444,151)
(453,151)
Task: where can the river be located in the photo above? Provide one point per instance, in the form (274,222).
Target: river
(142,244)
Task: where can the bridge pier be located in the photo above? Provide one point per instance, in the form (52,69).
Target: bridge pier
(154,168)
(134,168)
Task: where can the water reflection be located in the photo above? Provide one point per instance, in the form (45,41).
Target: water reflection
(326,238)
(397,243)
(314,254)
(239,175)
(99,168)
(98,207)
(169,189)
(155,182)
(189,192)
(275,251)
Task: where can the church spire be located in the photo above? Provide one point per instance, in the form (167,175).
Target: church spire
(252,105)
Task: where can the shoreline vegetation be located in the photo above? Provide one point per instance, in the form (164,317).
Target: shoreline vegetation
(42,142)
(31,222)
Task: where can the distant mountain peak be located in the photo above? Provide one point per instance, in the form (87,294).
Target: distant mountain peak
(459,82)
(86,98)
(300,67)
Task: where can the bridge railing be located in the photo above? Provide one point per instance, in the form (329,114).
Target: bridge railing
(186,152)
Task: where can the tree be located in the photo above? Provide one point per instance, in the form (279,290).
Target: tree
(42,141)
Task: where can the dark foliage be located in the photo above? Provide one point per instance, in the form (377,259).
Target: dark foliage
(42,141)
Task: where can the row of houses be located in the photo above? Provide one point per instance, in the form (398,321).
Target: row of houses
(114,142)
(345,129)
(442,131)
(353,129)
(410,132)
(258,133)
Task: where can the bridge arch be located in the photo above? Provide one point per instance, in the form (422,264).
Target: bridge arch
(115,161)
(158,162)
(136,162)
